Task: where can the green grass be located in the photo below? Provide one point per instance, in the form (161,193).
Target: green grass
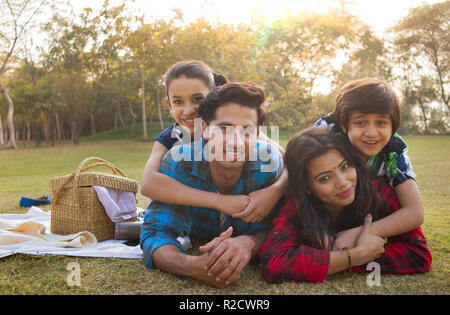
(27,172)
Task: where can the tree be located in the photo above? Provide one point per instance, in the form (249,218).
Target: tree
(298,52)
(16,16)
(150,52)
(422,38)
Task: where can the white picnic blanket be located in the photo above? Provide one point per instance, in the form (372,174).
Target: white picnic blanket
(109,248)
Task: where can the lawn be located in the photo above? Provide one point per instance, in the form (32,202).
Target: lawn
(28,171)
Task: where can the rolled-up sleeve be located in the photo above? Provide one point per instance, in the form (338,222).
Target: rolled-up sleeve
(163,222)
(161,227)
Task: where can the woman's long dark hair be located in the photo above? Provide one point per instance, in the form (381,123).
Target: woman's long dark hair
(313,218)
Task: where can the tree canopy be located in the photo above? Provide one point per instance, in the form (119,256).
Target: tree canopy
(102,70)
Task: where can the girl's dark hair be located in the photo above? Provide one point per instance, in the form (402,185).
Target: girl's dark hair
(369,96)
(243,93)
(313,218)
(194,69)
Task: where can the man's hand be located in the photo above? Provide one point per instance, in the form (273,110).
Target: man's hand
(228,258)
(217,240)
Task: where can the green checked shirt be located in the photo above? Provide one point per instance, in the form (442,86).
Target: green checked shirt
(392,162)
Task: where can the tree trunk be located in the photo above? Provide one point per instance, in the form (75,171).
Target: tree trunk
(28,123)
(144,115)
(45,128)
(93,130)
(133,117)
(58,126)
(159,109)
(425,121)
(9,118)
(2,139)
(115,120)
(24,132)
(119,115)
(75,133)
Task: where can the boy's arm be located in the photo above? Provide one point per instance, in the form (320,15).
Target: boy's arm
(161,187)
(405,219)
(408,217)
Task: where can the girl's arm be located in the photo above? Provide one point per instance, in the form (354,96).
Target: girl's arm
(262,201)
(166,189)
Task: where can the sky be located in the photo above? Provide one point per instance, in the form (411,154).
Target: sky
(379,14)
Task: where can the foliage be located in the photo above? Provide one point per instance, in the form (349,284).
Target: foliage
(422,49)
(103,70)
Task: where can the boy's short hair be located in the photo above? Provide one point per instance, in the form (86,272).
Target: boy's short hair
(243,93)
(369,96)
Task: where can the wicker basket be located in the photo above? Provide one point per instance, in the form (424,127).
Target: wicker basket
(75,205)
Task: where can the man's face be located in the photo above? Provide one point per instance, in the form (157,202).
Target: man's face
(232,135)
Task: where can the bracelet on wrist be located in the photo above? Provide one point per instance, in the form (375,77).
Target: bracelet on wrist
(349,268)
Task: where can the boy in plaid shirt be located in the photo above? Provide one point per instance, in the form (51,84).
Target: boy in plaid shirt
(367,114)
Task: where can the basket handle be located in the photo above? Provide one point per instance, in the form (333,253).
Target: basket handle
(82,168)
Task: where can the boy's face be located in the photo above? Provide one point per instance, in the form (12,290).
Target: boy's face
(369,132)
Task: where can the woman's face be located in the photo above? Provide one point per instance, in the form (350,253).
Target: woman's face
(184,97)
(332,180)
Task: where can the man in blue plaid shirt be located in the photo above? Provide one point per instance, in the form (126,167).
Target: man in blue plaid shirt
(232,243)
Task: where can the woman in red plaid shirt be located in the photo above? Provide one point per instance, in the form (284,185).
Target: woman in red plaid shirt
(329,192)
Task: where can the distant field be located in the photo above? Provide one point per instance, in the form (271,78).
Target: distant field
(27,172)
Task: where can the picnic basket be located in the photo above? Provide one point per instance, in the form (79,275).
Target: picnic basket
(75,205)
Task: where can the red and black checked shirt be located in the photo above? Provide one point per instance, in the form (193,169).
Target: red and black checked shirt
(284,258)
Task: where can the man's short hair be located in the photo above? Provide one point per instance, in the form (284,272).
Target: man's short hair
(243,93)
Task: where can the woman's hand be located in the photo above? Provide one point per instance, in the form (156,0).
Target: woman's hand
(368,245)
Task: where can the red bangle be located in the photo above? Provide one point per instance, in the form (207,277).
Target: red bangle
(349,259)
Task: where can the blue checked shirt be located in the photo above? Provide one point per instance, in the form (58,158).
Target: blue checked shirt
(164,222)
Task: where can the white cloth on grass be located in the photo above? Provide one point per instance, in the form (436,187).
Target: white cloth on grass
(109,248)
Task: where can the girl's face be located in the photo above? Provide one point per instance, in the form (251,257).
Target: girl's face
(369,132)
(332,180)
(184,97)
